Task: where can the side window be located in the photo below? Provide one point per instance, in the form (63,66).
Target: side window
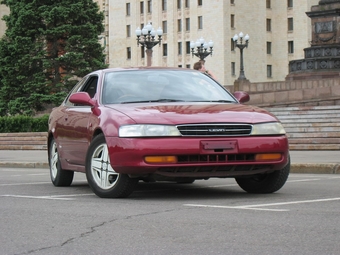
(91,86)
(75,89)
(87,84)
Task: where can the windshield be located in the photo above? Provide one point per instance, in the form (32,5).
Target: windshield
(161,86)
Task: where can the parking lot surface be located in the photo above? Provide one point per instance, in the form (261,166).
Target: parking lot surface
(206,217)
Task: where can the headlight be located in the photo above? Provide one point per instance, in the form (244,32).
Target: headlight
(148,130)
(272,128)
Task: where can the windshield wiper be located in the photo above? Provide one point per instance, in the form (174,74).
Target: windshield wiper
(223,101)
(153,101)
(216,101)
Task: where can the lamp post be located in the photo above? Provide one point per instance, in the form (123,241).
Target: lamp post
(146,38)
(241,46)
(201,48)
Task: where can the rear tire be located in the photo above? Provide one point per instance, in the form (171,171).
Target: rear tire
(102,178)
(59,176)
(265,183)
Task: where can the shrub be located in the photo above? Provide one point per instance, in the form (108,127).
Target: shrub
(23,123)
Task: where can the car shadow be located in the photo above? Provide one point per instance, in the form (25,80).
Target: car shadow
(197,191)
(179,191)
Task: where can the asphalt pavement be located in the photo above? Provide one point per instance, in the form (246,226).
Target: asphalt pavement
(318,162)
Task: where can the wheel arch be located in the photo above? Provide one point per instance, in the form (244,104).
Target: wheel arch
(49,139)
(96,132)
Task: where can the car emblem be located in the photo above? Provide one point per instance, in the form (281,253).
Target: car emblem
(219,130)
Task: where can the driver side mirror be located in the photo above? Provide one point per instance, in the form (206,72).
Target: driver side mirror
(81,98)
(241,96)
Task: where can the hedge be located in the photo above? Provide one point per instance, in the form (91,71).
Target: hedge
(23,123)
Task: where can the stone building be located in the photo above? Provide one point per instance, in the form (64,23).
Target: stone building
(279,31)
(3,11)
(322,58)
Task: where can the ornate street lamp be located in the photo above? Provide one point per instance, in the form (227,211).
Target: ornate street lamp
(241,46)
(146,38)
(201,48)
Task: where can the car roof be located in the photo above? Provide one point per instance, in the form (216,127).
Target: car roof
(119,69)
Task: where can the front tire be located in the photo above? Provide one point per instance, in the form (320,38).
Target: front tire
(265,183)
(59,176)
(102,178)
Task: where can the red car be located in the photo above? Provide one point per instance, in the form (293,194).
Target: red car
(123,125)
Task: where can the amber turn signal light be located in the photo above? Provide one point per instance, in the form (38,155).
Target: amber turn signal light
(268,156)
(161,159)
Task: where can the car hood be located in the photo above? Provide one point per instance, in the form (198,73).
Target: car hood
(178,113)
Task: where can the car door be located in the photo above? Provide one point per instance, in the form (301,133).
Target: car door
(74,131)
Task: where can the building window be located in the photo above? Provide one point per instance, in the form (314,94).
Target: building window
(128,31)
(179,48)
(290,46)
(179,25)
(269,25)
(187,24)
(200,22)
(232,21)
(290,24)
(164,5)
(199,2)
(180,66)
(165,49)
(232,1)
(232,45)
(149,6)
(142,48)
(179,4)
(269,48)
(187,3)
(128,11)
(141,7)
(269,71)
(233,72)
(165,26)
(290,3)
(187,47)
(128,52)
(268,4)
(187,66)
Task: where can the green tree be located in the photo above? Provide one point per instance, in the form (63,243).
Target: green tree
(47,46)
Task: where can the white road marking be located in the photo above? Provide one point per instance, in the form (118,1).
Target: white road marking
(38,197)
(74,195)
(253,207)
(55,197)
(235,207)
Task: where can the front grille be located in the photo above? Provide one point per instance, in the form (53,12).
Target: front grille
(215,129)
(213,169)
(215,158)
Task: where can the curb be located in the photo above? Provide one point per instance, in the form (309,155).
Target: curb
(316,168)
(306,168)
(25,164)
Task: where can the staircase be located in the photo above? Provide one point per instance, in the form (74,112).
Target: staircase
(311,127)
(23,141)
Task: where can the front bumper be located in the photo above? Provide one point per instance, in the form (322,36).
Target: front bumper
(198,157)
